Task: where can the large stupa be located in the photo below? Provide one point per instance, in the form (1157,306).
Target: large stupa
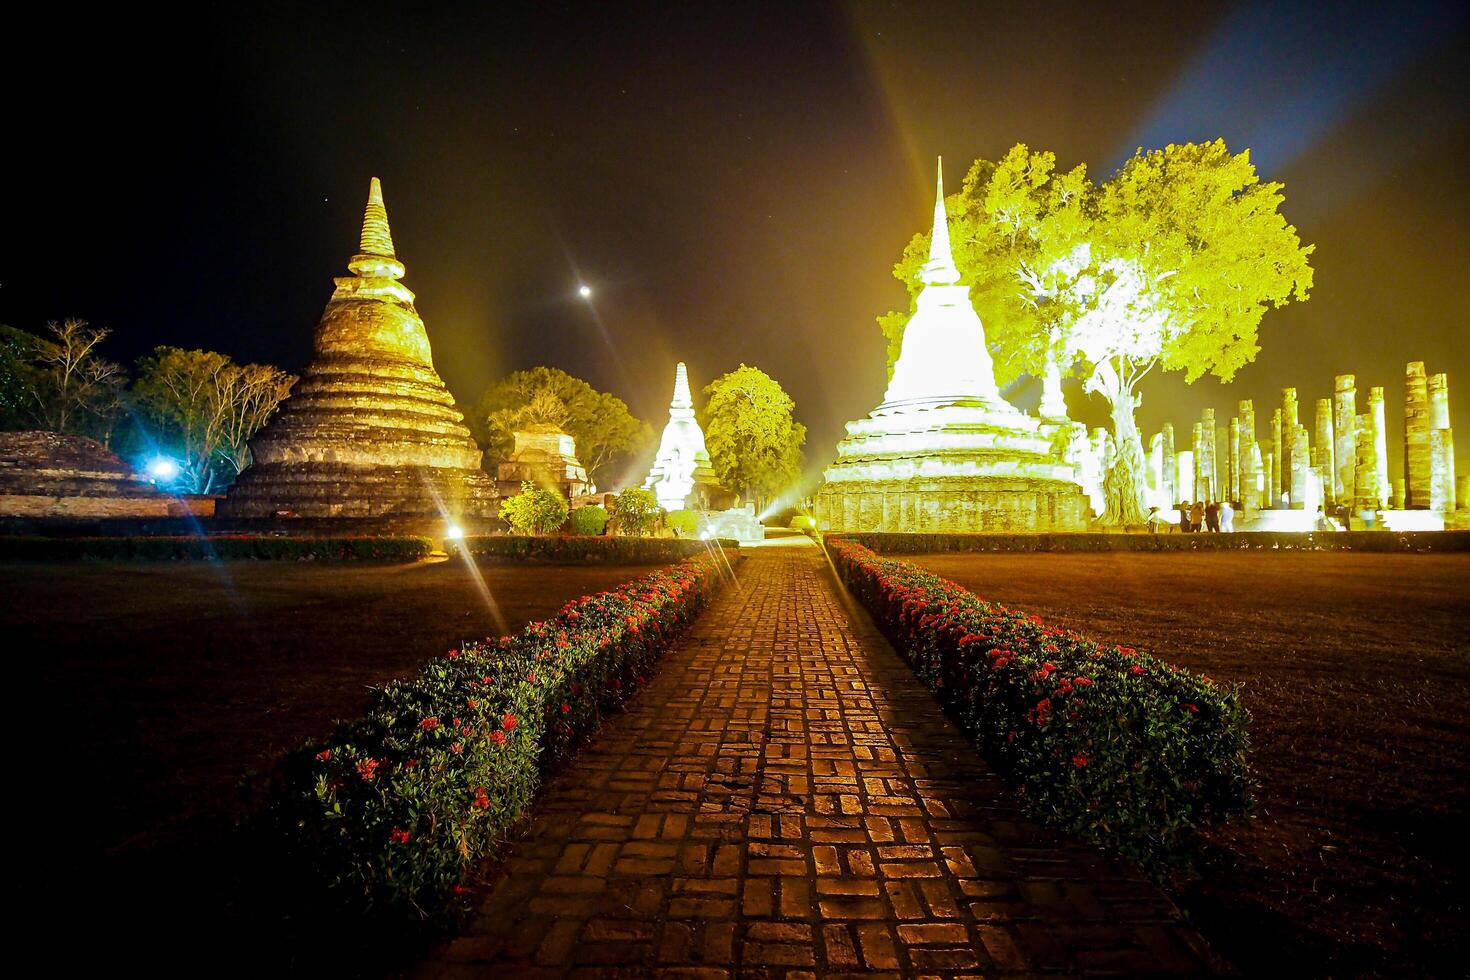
(682,476)
(369,430)
(944,451)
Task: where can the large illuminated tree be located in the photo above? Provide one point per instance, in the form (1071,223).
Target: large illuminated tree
(1170,264)
(754,444)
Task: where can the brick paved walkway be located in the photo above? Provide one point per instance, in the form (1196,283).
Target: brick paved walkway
(787,799)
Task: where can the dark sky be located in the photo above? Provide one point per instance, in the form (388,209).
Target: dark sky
(734,180)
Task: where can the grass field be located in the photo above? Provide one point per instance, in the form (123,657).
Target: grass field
(148,690)
(1356,670)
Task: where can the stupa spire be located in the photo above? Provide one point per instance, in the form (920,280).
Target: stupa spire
(940,270)
(375,257)
(377,237)
(682,397)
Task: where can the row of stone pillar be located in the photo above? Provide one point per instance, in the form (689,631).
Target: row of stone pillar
(1343,460)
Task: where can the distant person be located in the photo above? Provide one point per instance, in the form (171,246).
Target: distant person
(1183,516)
(1227,517)
(1323,522)
(1344,516)
(1212,517)
(1157,521)
(1197,516)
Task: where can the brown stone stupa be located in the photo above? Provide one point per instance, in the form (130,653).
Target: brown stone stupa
(369,430)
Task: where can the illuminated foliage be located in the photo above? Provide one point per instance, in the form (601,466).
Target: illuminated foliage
(606,433)
(202,408)
(59,382)
(754,445)
(636,510)
(1170,263)
(535,510)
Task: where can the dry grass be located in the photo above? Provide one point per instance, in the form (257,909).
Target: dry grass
(1356,669)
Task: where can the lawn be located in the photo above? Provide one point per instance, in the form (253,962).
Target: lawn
(1355,668)
(148,690)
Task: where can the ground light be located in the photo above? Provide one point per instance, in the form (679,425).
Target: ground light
(163,468)
(453,533)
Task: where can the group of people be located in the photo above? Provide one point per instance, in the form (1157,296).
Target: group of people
(1215,517)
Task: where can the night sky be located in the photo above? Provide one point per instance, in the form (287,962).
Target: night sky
(734,181)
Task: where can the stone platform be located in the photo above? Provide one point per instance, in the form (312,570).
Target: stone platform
(786,799)
(50,475)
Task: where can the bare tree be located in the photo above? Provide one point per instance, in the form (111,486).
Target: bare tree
(74,389)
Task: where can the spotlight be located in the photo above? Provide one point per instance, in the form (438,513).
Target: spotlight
(453,532)
(162,468)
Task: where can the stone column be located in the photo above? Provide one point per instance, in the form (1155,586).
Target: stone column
(1222,461)
(1289,421)
(1186,476)
(1211,486)
(1323,452)
(1365,478)
(1439,418)
(1250,456)
(1345,435)
(1276,457)
(1438,500)
(1254,489)
(1380,445)
(1171,471)
(1269,477)
(1398,495)
(1234,493)
(1300,464)
(1198,455)
(1416,437)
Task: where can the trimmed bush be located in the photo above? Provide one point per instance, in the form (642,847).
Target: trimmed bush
(1105,742)
(635,511)
(220,547)
(562,548)
(684,523)
(535,510)
(898,543)
(589,520)
(387,816)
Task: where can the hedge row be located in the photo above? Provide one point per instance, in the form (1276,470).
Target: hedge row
(385,818)
(1106,742)
(893,543)
(224,547)
(573,548)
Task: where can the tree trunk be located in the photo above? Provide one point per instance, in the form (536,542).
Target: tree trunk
(1124,482)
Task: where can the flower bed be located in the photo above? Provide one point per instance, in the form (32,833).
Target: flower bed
(576,548)
(1105,742)
(384,819)
(223,547)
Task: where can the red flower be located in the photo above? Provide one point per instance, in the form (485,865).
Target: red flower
(565,708)
(482,800)
(430,723)
(456,748)
(508,722)
(1079,760)
(368,768)
(1136,670)
(472,704)
(1191,708)
(532,677)
(398,836)
(323,755)
(1082,681)
(410,763)
(452,654)
(498,738)
(461,890)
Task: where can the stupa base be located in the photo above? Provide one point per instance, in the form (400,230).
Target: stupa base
(954,505)
(346,490)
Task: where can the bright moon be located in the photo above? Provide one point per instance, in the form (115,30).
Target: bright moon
(584,291)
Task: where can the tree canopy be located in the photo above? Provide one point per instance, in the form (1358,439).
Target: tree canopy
(201,408)
(753,442)
(606,432)
(59,381)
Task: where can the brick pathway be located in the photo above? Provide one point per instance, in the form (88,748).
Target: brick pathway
(787,799)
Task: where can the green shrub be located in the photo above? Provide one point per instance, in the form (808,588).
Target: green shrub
(232,547)
(1106,742)
(535,510)
(569,548)
(684,523)
(589,520)
(635,511)
(383,820)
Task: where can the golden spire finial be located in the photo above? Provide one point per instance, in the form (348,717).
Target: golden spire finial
(377,238)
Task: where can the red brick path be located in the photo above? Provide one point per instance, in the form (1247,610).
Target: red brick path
(787,799)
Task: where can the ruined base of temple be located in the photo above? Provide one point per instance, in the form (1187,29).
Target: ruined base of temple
(312,489)
(952,505)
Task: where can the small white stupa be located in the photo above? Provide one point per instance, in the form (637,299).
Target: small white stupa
(682,476)
(944,451)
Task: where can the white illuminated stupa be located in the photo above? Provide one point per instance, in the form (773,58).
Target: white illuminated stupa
(944,451)
(682,476)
